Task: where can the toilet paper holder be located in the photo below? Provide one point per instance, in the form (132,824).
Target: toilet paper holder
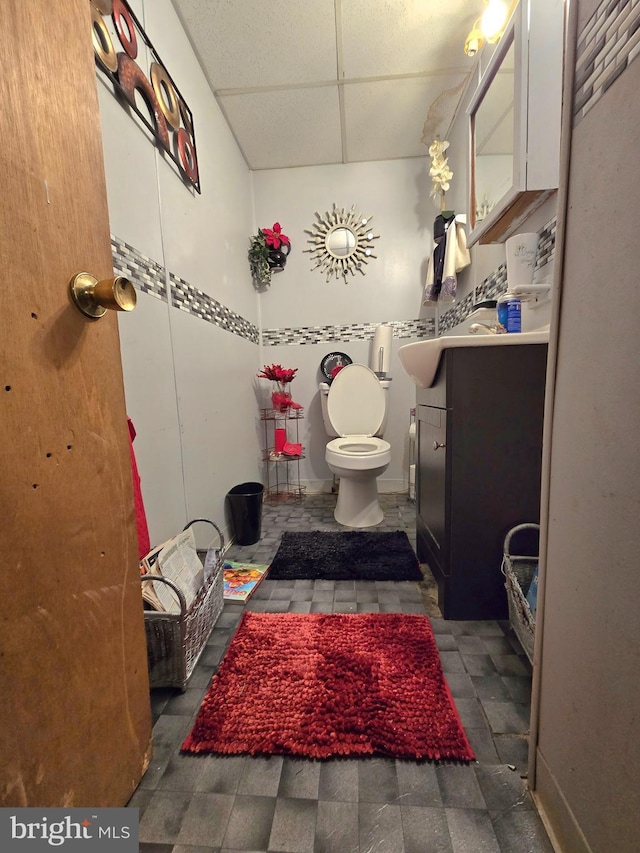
(381,350)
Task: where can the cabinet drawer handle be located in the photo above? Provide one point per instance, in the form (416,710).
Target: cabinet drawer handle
(437,445)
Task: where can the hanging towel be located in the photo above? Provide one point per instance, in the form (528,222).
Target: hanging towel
(456,258)
(144,545)
(430,293)
(449,257)
(435,267)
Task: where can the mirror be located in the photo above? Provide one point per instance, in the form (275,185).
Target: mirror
(514,120)
(493,138)
(342,242)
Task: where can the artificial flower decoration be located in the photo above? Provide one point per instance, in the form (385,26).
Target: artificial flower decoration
(274,236)
(277,373)
(440,173)
(282,376)
(268,251)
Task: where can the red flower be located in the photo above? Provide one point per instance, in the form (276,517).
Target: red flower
(274,236)
(277,373)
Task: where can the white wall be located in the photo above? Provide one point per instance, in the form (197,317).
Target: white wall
(396,195)
(187,381)
(191,385)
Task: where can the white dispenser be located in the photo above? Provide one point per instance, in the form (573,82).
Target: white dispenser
(380,361)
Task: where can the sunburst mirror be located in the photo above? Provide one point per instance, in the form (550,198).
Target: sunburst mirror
(341,242)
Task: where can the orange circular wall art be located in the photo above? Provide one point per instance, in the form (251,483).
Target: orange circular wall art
(150,92)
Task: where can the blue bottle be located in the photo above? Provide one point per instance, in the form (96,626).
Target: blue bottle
(510,313)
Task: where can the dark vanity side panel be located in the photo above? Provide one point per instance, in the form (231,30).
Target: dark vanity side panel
(494,400)
(497,402)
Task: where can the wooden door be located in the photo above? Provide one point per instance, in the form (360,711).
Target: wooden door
(74,699)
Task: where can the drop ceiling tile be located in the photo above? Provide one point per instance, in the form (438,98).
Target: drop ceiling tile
(293,127)
(385,119)
(395,37)
(250,44)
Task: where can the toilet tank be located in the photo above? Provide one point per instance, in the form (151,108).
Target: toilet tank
(324,393)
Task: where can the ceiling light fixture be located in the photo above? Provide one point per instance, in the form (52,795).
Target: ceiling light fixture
(493,20)
(488,27)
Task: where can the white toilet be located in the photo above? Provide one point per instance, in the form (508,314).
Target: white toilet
(354,407)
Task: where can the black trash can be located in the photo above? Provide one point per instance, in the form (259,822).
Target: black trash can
(245,506)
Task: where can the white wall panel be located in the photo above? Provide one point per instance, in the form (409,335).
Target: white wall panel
(147,362)
(393,194)
(218,415)
(205,236)
(181,373)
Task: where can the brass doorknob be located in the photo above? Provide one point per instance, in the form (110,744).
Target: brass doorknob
(94,297)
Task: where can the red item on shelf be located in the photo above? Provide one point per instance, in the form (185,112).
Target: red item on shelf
(292,449)
(280,439)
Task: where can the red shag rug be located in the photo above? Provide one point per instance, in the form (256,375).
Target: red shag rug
(331,685)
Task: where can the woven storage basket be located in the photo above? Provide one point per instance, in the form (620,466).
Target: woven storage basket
(518,572)
(175,641)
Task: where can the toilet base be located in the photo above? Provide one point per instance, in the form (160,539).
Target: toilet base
(358,504)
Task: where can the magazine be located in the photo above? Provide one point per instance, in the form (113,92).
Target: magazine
(241,579)
(178,560)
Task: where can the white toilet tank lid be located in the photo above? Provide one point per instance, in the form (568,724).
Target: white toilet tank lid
(356,401)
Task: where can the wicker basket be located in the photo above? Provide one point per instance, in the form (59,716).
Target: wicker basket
(518,572)
(175,641)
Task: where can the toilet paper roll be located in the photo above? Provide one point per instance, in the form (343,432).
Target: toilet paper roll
(381,349)
(412,432)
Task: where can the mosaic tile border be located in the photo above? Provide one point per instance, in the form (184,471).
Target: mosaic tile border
(457,314)
(144,273)
(149,277)
(303,335)
(547,244)
(496,283)
(186,297)
(607,45)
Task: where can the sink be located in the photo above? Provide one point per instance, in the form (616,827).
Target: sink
(420,360)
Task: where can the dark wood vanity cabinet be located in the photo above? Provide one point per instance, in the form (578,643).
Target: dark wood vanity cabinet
(478,469)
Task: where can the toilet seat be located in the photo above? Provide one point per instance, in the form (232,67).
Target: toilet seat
(356,402)
(358,452)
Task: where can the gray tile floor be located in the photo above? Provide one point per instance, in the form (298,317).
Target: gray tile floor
(224,803)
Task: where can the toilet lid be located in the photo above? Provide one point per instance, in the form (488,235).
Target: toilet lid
(356,401)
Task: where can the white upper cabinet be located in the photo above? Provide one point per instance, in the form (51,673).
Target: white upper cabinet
(514,123)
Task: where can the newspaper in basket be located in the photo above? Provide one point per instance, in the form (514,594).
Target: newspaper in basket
(519,572)
(185,587)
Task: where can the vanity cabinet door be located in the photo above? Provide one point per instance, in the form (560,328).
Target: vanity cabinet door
(431,494)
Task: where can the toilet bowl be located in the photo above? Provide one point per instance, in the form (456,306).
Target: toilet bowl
(355,411)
